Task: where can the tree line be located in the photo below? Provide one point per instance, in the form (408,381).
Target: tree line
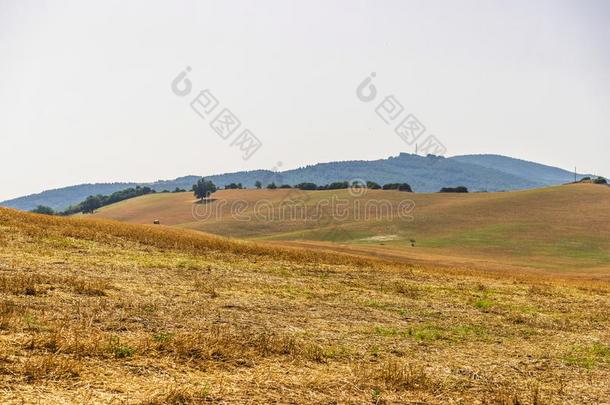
(94,202)
(204,188)
(339,185)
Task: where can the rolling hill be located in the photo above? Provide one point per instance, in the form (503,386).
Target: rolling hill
(95,311)
(562,228)
(424,174)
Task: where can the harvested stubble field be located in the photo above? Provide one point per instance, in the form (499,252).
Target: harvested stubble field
(103,312)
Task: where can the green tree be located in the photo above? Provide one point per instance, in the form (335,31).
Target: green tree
(203,188)
(92,203)
(258,184)
(372,185)
(272,186)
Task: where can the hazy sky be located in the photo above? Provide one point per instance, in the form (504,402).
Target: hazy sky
(85,87)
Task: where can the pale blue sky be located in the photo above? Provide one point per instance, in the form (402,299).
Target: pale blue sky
(85,86)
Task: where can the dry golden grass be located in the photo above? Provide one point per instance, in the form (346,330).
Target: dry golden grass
(102,312)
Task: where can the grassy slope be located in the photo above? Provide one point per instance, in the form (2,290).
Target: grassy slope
(563,228)
(94,311)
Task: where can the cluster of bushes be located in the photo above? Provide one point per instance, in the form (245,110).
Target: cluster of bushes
(43,209)
(234,186)
(339,185)
(176,190)
(598,180)
(306,186)
(273,186)
(397,186)
(459,189)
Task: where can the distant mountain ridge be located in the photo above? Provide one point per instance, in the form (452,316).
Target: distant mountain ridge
(522,168)
(424,173)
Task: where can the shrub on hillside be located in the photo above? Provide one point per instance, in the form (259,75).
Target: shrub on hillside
(43,209)
(306,186)
(459,189)
(398,186)
(337,185)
